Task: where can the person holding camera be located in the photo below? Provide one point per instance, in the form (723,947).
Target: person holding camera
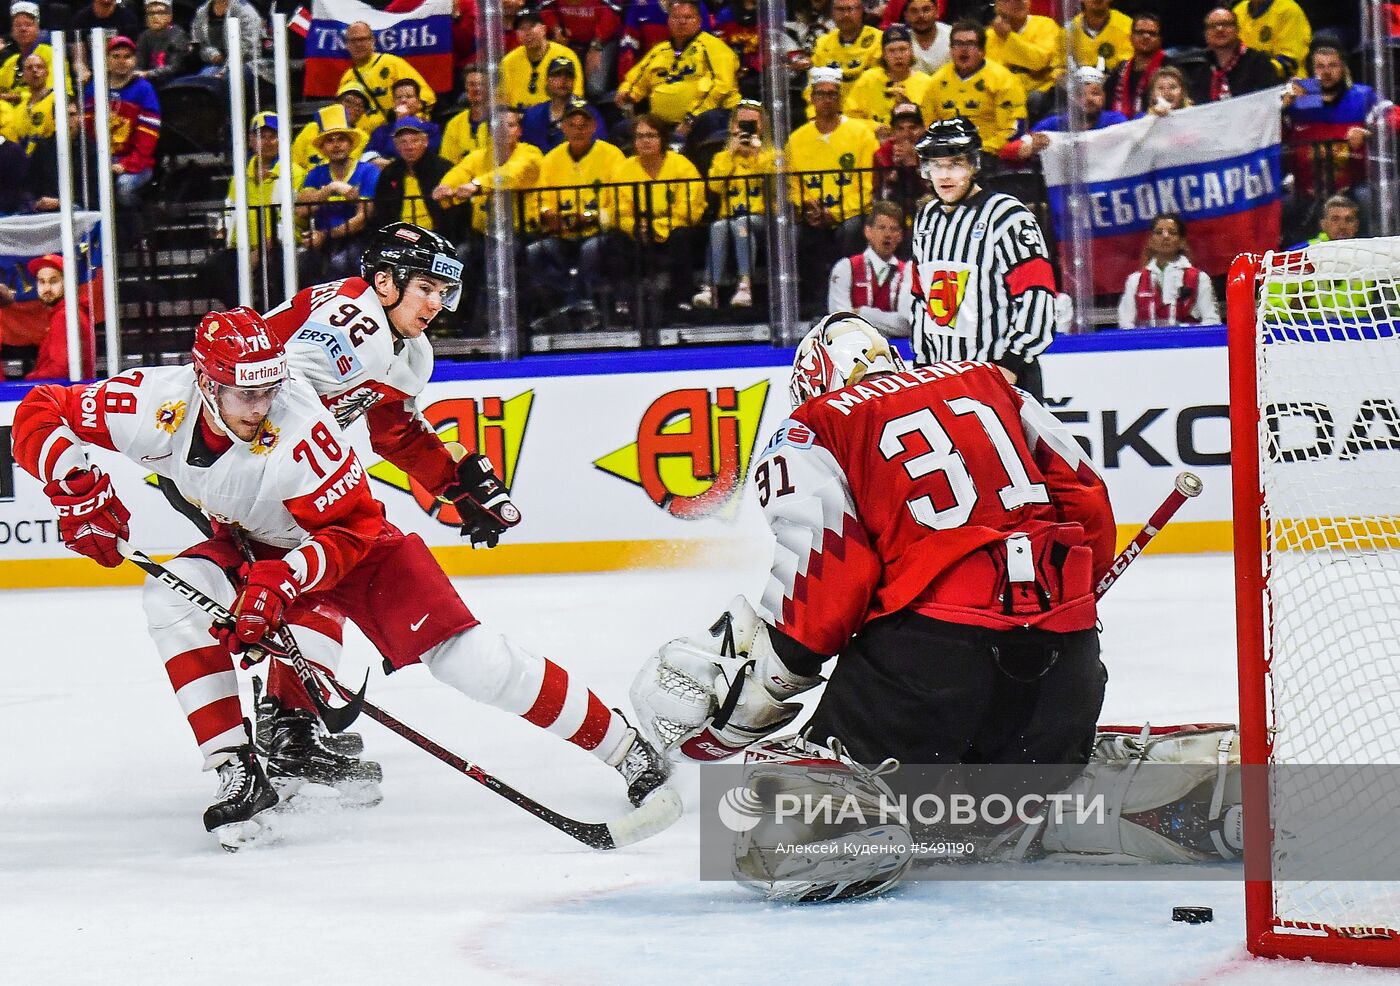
(738,175)
(575,210)
(1167,289)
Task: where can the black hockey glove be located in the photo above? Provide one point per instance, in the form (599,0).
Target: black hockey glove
(482,500)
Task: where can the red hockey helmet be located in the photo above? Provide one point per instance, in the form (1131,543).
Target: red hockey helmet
(235,349)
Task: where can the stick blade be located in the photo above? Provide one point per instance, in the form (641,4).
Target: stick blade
(656,814)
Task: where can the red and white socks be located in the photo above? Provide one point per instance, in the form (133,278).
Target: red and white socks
(485,666)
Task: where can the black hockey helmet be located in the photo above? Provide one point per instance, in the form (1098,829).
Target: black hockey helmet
(404,249)
(948,138)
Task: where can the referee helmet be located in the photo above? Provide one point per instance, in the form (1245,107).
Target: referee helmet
(950,138)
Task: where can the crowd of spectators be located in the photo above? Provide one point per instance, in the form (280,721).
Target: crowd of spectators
(640,148)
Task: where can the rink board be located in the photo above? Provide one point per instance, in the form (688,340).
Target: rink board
(638,460)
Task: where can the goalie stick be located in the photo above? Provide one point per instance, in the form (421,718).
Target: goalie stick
(654,815)
(1187,485)
(336,718)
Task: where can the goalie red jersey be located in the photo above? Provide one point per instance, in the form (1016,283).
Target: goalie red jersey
(942,490)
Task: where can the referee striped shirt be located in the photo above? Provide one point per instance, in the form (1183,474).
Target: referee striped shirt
(983,287)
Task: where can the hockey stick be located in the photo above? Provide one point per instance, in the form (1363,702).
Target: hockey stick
(1187,485)
(337,719)
(654,815)
(663,808)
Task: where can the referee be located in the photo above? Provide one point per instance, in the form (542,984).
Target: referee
(983,287)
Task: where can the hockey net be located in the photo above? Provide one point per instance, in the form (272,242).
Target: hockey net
(1315,409)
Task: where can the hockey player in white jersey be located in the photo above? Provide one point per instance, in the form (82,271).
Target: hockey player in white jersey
(360,343)
(260,453)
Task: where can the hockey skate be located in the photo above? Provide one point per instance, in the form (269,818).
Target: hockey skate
(347,744)
(644,770)
(297,755)
(244,791)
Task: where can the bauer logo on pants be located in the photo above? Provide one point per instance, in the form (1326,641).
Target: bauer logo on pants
(693,449)
(493,426)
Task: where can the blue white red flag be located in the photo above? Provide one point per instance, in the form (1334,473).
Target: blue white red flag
(1216,165)
(22,238)
(422,36)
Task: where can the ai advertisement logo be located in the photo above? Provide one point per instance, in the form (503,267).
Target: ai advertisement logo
(494,426)
(693,449)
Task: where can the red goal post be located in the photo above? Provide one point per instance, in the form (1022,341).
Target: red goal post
(1317,568)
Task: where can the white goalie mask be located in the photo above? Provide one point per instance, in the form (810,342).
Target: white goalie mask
(839,350)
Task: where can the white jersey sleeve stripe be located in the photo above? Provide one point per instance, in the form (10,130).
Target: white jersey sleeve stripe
(61,454)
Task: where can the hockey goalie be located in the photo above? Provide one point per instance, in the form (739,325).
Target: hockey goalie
(942,533)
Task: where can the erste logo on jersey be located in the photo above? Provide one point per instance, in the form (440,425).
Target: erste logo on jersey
(693,449)
(943,291)
(336,345)
(493,426)
(792,434)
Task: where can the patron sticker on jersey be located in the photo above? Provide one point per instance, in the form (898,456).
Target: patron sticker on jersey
(793,434)
(339,353)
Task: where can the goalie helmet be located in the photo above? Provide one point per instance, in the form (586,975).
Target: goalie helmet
(848,839)
(404,250)
(839,350)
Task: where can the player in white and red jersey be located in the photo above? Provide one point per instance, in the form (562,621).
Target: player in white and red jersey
(259,452)
(359,342)
(941,532)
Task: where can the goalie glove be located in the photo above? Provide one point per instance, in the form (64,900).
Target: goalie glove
(708,696)
(482,501)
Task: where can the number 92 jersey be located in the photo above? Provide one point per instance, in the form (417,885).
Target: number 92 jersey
(338,340)
(941,489)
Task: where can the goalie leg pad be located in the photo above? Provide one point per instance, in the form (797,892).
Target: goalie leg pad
(1172,795)
(860,849)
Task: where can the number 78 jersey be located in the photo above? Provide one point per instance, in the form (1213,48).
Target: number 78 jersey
(941,489)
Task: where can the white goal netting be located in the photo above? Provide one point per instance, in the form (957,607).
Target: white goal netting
(1328,371)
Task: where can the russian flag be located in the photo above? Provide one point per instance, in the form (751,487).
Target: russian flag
(1217,165)
(22,238)
(422,36)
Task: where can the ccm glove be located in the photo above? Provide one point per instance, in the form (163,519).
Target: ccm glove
(90,517)
(269,587)
(482,500)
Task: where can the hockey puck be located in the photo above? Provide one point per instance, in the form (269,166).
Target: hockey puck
(1193,915)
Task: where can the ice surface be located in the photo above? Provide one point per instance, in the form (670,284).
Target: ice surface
(106,874)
